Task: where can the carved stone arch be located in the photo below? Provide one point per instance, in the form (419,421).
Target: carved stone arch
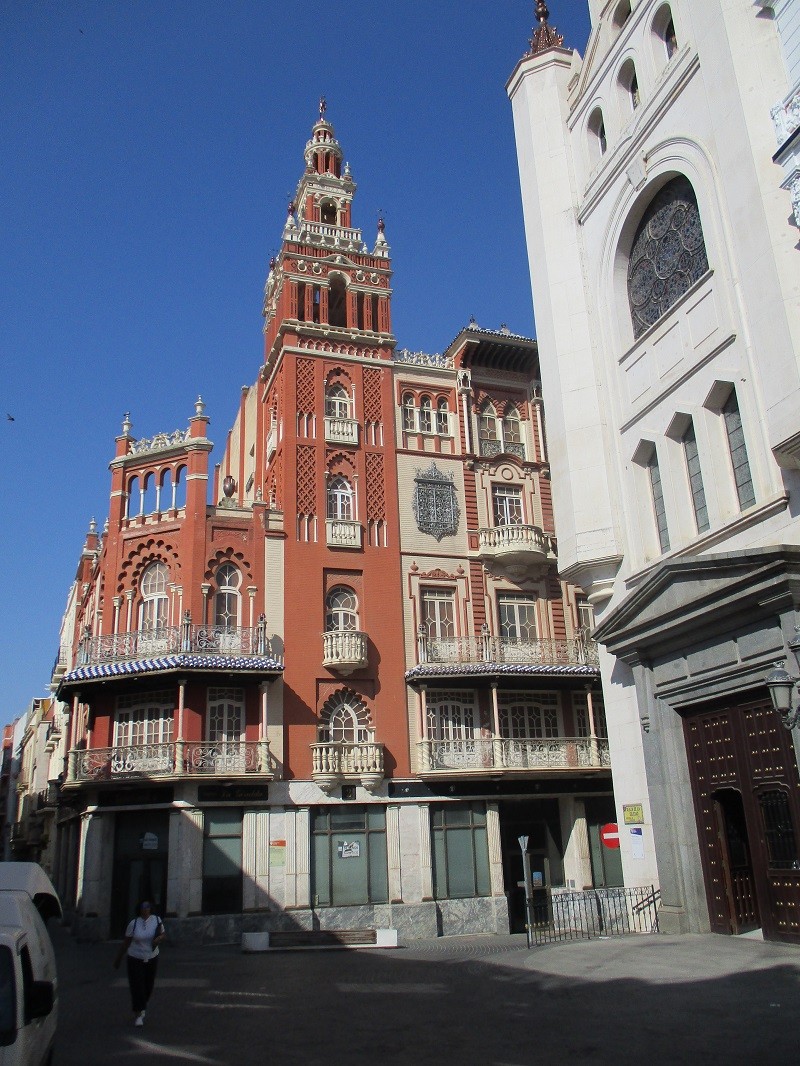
(338,375)
(228,555)
(150,551)
(345,717)
(343,464)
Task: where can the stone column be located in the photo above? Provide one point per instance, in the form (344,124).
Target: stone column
(393,853)
(495,849)
(577,855)
(425,859)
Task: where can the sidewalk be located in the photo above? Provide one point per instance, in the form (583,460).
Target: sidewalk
(475,1001)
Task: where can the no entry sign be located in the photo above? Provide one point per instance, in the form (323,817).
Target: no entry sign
(609,834)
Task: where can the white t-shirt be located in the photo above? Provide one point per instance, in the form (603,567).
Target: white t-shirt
(142,931)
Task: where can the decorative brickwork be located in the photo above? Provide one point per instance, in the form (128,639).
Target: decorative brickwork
(305,386)
(306,481)
(376,496)
(372,395)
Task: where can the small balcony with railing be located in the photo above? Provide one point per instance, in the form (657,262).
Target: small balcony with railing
(179,759)
(487,654)
(338,763)
(528,756)
(342,533)
(515,545)
(339,430)
(344,651)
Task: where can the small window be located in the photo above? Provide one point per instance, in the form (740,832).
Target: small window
(226,719)
(630,83)
(659,507)
(443,418)
(738,452)
(345,719)
(328,213)
(517,617)
(409,413)
(597,134)
(460,851)
(337,302)
(507,505)
(226,598)
(153,610)
(438,613)
(621,14)
(695,474)
(340,499)
(664,31)
(529,715)
(488,434)
(341,610)
(425,415)
(337,402)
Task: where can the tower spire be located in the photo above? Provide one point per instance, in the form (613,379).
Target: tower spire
(544,37)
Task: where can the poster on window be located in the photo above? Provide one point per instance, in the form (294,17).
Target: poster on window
(348,849)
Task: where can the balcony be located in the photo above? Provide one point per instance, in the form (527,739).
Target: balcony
(341,430)
(336,763)
(236,642)
(342,533)
(180,759)
(478,651)
(515,546)
(344,651)
(481,755)
(331,236)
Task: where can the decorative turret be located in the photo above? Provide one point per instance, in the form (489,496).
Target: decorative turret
(544,37)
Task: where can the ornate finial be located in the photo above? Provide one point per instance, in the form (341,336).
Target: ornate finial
(273,262)
(290,209)
(228,487)
(127,425)
(92,525)
(323,107)
(381,225)
(544,37)
(472,323)
(347,171)
(199,406)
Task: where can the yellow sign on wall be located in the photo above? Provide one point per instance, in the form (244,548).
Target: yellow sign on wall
(633,813)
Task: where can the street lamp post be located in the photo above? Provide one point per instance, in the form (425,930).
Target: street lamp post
(781,685)
(528,886)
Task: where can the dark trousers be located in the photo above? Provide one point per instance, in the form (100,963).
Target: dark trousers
(141,978)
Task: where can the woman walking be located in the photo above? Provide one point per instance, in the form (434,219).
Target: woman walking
(142,938)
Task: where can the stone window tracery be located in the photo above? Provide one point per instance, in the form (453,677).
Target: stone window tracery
(668,254)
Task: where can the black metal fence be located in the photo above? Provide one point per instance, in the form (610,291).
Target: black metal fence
(595,912)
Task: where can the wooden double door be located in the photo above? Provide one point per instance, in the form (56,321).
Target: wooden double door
(747,804)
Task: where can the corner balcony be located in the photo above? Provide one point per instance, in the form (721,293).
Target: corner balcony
(180,759)
(341,430)
(477,756)
(341,533)
(514,546)
(338,763)
(488,654)
(344,651)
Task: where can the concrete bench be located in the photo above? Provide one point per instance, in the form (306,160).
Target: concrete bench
(293,939)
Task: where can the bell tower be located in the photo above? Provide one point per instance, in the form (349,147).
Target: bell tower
(325,457)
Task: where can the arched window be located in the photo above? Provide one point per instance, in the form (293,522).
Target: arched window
(154,608)
(630,83)
(337,402)
(340,499)
(664,31)
(488,436)
(134,498)
(622,14)
(597,134)
(226,598)
(345,720)
(443,418)
(337,301)
(425,415)
(409,413)
(668,254)
(341,610)
(328,213)
(512,433)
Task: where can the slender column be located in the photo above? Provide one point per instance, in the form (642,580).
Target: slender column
(393,853)
(174,490)
(141,497)
(129,621)
(205,589)
(495,849)
(263,737)
(158,493)
(117,601)
(425,861)
(592,730)
(497,742)
(251,592)
(180,743)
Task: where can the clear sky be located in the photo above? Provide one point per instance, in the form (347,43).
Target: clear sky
(149,148)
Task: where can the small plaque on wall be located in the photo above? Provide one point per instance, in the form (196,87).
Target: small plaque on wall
(633,813)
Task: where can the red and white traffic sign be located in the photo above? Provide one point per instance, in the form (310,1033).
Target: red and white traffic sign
(609,834)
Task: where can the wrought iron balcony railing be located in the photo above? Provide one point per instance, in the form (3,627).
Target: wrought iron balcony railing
(176,759)
(487,648)
(236,641)
(518,754)
(344,651)
(334,763)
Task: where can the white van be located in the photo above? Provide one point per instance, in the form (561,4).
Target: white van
(28,982)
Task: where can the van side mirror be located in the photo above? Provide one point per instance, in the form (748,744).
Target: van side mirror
(40,999)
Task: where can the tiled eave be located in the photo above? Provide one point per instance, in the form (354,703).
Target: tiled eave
(170,663)
(444,670)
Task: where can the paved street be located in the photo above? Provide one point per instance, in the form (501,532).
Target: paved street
(478,1001)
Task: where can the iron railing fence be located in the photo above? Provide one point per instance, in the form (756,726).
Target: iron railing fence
(555,915)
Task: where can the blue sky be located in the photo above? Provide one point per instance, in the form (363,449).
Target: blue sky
(149,148)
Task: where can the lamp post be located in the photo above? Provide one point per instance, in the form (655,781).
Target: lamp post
(781,685)
(527,884)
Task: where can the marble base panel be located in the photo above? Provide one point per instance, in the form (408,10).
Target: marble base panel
(484,915)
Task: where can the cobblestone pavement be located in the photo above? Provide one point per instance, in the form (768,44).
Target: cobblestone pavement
(476,1001)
